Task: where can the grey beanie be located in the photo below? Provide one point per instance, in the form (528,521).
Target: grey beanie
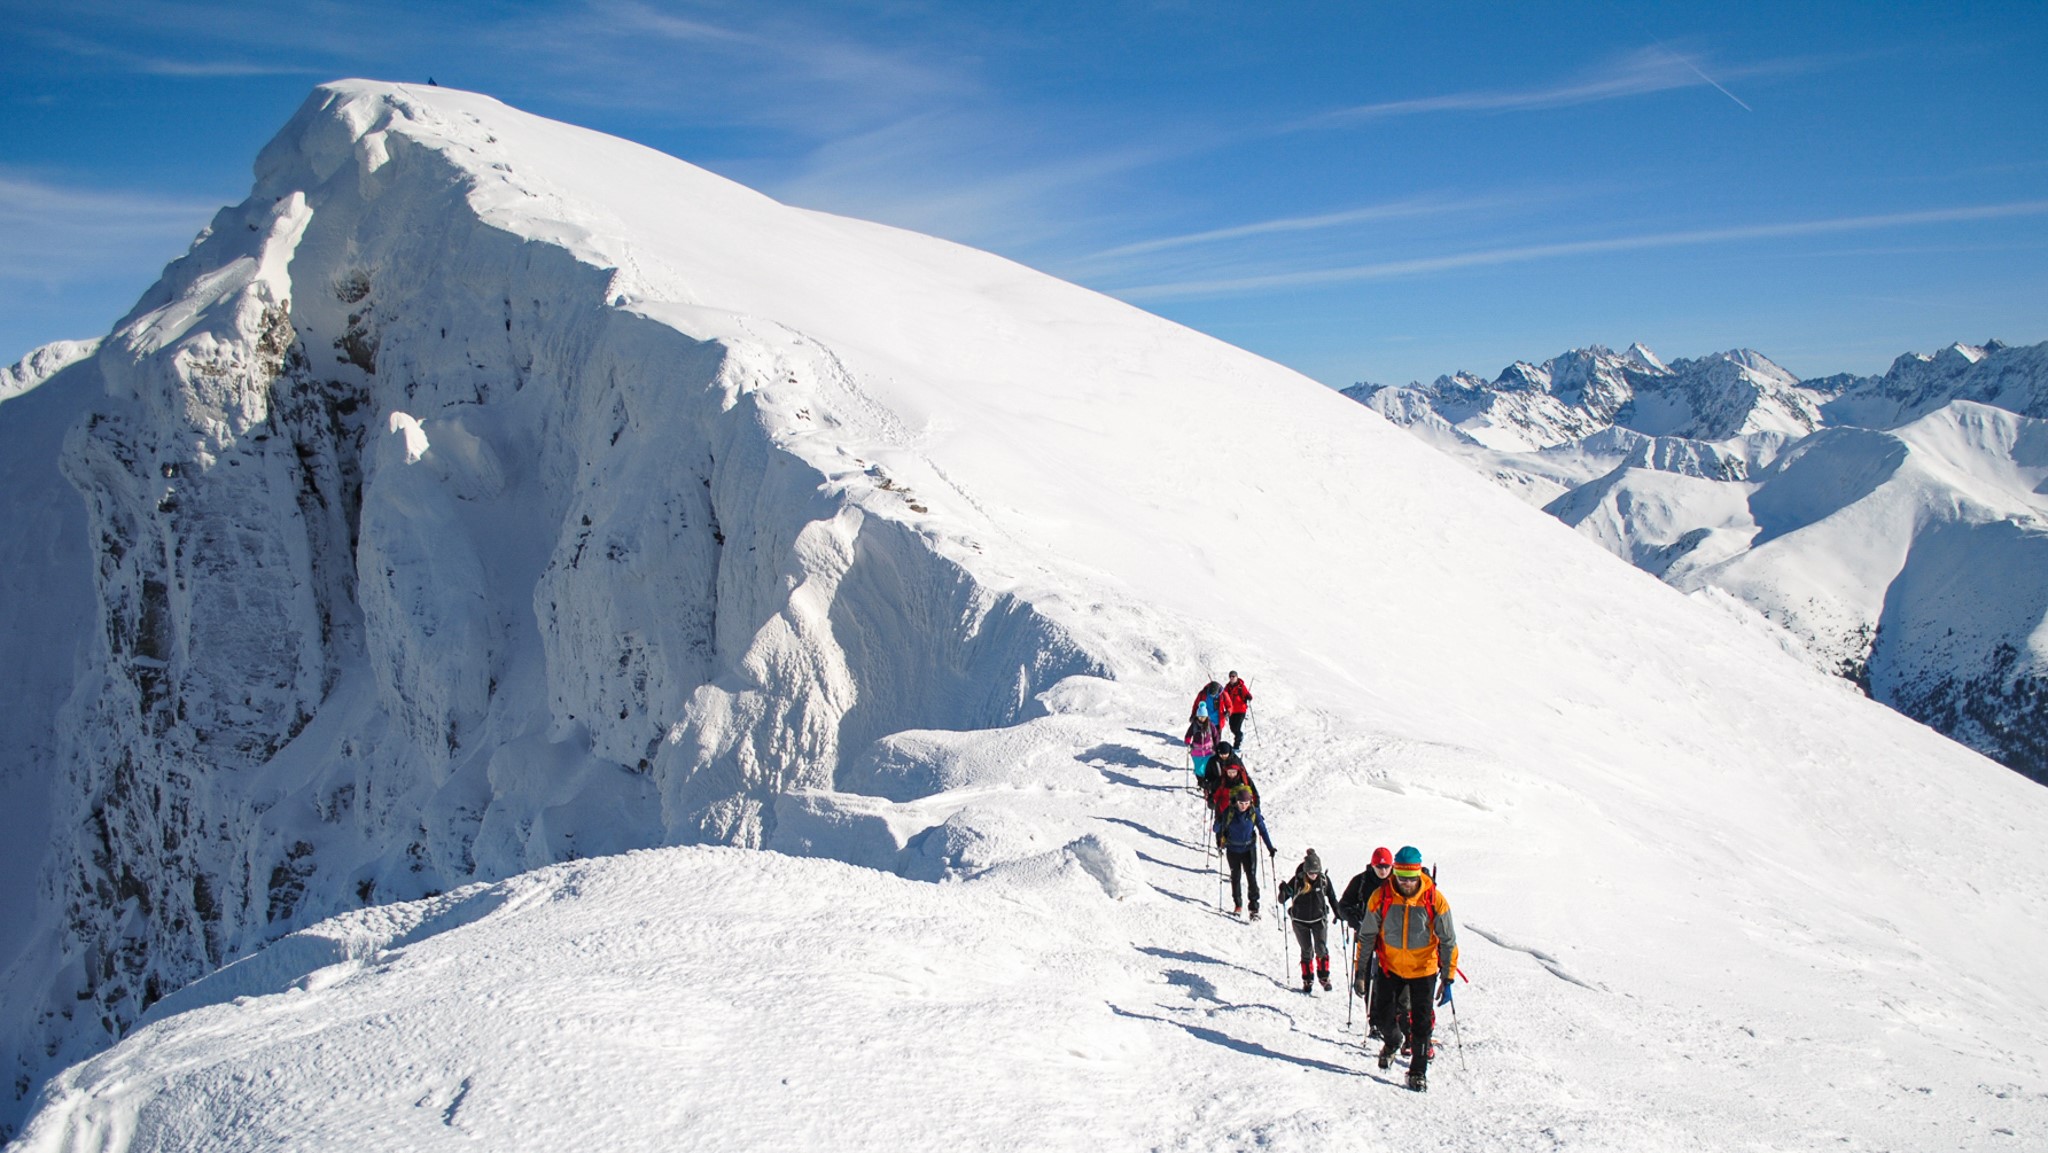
(1311,863)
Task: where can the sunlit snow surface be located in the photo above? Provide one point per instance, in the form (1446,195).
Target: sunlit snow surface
(1709,898)
(716,998)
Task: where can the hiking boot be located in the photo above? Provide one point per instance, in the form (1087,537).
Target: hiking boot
(1255,912)
(1388,1048)
(1417,1081)
(1326,981)
(1308,984)
(1238,912)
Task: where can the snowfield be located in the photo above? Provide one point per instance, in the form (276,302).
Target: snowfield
(1077,995)
(773,632)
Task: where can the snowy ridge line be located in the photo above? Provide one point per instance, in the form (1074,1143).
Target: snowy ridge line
(41,364)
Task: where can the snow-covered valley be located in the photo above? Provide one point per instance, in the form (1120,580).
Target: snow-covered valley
(1893,525)
(485,498)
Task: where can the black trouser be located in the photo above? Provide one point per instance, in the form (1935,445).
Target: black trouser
(1315,946)
(1411,1007)
(1246,860)
(1379,1011)
(1237,731)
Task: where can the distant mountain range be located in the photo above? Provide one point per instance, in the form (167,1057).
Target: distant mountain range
(1896,526)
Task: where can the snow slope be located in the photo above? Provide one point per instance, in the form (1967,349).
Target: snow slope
(561,498)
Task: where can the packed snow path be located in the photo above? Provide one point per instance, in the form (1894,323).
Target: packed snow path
(733,999)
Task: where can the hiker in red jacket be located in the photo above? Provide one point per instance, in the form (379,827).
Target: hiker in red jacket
(1237,698)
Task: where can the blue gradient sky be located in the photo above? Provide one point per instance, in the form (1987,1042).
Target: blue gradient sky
(1361,190)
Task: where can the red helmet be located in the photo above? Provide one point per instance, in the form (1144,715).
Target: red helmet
(1382,856)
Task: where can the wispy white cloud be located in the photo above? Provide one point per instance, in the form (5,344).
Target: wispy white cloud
(151,64)
(764,65)
(1394,210)
(1639,73)
(1392,269)
(51,234)
(630,17)
(938,173)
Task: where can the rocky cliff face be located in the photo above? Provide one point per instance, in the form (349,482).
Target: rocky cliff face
(420,559)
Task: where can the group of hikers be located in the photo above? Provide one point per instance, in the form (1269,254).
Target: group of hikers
(1405,956)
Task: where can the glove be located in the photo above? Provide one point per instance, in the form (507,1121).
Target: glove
(1443,990)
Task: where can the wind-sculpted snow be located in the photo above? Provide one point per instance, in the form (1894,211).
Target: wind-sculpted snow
(1810,500)
(532,576)
(485,496)
(41,364)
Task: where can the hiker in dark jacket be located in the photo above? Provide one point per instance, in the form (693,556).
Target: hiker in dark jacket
(1238,831)
(1226,773)
(1365,965)
(1310,904)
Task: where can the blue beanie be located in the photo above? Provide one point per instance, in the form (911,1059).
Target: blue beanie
(1409,855)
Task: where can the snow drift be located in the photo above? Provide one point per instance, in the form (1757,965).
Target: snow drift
(484,494)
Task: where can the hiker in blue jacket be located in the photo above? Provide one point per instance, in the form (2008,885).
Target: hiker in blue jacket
(1239,829)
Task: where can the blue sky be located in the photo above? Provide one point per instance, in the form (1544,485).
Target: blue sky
(1379,191)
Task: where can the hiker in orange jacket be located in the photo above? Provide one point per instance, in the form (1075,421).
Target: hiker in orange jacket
(1409,920)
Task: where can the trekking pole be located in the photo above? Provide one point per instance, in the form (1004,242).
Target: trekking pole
(1280,914)
(1460,1035)
(1280,918)
(1219,883)
(1351,983)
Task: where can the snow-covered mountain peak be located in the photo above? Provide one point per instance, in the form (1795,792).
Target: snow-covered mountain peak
(1640,356)
(1580,393)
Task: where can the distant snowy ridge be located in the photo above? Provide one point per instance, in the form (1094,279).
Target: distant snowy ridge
(1893,523)
(43,363)
(485,499)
